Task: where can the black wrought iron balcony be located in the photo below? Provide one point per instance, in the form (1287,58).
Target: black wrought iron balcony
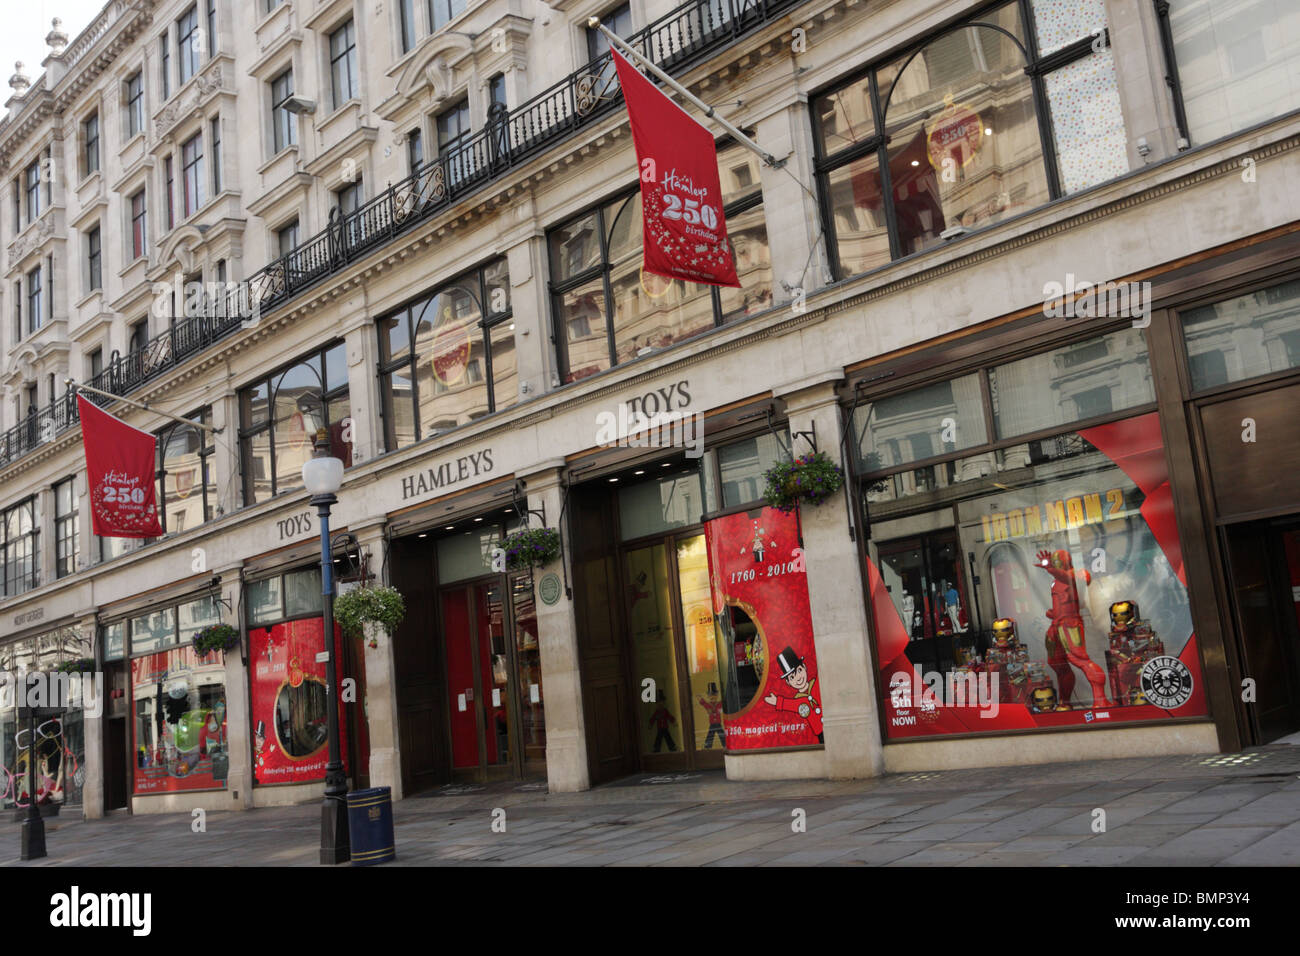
(688,35)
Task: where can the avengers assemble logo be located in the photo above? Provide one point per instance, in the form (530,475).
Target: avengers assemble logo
(1166,682)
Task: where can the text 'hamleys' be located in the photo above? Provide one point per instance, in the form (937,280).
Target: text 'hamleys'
(448,473)
(1061,514)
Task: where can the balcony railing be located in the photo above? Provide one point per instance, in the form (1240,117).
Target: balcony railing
(684,37)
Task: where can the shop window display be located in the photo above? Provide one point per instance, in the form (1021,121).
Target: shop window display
(1066,552)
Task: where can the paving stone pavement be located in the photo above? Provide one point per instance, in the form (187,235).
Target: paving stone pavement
(1200,811)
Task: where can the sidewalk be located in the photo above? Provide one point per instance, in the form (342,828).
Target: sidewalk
(1238,809)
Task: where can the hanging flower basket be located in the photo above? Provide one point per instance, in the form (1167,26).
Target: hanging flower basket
(81,665)
(531,547)
(369,605)
(215,637)
(811,478)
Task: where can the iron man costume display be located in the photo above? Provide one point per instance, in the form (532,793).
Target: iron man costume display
(1064,639)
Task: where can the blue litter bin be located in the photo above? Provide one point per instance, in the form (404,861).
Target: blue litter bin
(370,826)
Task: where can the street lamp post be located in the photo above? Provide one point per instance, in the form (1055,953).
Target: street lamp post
(323,476)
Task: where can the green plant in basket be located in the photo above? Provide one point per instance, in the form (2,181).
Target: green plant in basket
(369,605)
(531,547)
(812,478)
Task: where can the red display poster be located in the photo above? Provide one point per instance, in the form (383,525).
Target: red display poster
(121,464)
(766,659)
(1085,615)
(684,230)
(179,733)
(289,702)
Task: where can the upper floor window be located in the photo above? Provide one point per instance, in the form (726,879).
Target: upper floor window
(608,311)
(32,190)
(281,415)
(454,140)
(192,183)
(169,188)
(66,528)
(214,139)
(187,489)
(139,226)
(448,358)
(497,91)
(406,23)
(90,145)
(94,260)
(269,5)
(286,237)
(188,37)
(19,532)
(135,104)
(618,21)
(949,137)
(442,12)
(415,150)
(1238,63)
(343,64)
(35,300)
(139,337)
(284,125)
(165,65)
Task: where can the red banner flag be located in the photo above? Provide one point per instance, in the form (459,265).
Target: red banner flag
(120,465)
(684,231)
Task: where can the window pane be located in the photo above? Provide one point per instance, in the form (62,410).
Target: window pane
(449,359)
(257,465)
(1068,384)
(196,615)
(738,173)
(302,592)
(1091,142)
(1238,63)
(575,247)
(115,641)
(340,412)
(1058,23)
(747,232)
(336,367)
(932,420)
(263,600)
(298,416)
(395,336)
(742,465)
(844,117)
(661,505)
(650,312)
(496,277)
(467,555)
(401,408)
(858,215)
(505,365)
(184,478)
(1253,334)
(965,147)
(581,315)
(153,631)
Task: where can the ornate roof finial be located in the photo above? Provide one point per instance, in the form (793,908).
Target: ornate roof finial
(19,82)
(56,39)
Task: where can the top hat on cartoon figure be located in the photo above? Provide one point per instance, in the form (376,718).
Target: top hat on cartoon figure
(1004,632)
(1123,615)
(788,661)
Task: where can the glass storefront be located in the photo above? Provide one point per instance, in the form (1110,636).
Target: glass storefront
(1033,582)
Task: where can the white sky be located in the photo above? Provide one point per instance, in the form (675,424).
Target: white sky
(23,25)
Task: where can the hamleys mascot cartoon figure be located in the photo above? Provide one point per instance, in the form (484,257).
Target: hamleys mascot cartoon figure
(1065,644)
(795,673)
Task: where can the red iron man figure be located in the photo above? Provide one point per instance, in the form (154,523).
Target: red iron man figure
(1065,645)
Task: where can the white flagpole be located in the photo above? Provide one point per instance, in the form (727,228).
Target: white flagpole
(615,40)
(118,398)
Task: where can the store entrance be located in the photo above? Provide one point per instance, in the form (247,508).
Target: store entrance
(493,667)
(117,745)
(672,651)
(1264,575)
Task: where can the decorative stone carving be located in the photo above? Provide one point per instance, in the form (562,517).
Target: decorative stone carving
(19,82)
(31,238)
(56,39)
(206,84)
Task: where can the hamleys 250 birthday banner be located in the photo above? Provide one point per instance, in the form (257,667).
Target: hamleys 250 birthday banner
(120,465)
(684,230)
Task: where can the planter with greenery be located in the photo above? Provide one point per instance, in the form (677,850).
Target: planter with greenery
(531,547)
(810,478)
(382,605)
(80,665)
(216,637)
